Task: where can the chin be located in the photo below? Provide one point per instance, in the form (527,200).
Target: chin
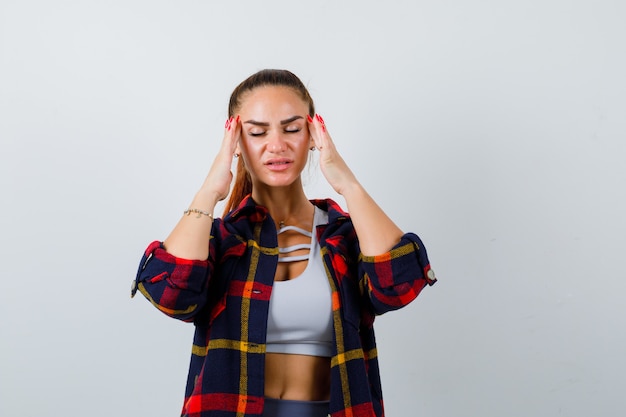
(279,182)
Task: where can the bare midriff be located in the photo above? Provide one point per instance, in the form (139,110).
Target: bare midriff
(297,377)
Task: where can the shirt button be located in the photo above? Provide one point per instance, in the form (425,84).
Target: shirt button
(431,275)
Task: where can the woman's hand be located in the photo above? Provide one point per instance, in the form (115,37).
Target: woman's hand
(220,176)
(334,168)
(377,233)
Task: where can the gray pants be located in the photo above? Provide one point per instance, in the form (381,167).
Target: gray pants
(291,408)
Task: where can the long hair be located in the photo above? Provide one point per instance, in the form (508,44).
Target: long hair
(271,77)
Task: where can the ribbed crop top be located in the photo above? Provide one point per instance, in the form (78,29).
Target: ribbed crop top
(300,312)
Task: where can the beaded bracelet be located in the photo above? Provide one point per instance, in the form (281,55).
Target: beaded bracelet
(198,212)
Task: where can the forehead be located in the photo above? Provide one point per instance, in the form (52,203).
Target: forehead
(272,101)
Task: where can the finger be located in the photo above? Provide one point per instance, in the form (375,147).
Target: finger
(235,130)
(313,131)
(317,130)
(232,134)
(324,142)
(320,120)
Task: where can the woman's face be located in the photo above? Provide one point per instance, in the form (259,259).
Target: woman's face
(275,138)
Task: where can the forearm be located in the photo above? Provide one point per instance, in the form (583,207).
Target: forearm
(376,232)
(190,237)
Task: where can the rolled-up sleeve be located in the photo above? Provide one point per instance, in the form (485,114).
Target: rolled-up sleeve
(395,278)
(174,285)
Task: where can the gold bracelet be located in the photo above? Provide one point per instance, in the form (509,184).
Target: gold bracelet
(198,212)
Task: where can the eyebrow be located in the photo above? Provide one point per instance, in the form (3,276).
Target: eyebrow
(282,122)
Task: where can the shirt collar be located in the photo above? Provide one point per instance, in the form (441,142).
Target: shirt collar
(249,208)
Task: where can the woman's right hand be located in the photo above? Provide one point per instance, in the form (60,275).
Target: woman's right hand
(189,238)
(217,182)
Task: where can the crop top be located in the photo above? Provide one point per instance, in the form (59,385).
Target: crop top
(300,311)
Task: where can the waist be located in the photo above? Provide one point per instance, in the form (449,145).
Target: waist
(290,408)
(297,377)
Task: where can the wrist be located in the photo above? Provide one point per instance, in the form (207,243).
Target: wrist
(351,190)
(205,200)
(198,213)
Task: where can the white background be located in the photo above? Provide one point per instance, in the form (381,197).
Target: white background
(494,129)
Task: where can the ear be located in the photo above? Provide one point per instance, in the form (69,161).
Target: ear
(237,149)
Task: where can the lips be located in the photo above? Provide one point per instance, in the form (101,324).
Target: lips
(278,164)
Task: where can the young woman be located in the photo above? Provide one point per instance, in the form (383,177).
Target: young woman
(282,290)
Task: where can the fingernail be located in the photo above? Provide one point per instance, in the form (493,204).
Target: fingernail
(309,119)
(237,120)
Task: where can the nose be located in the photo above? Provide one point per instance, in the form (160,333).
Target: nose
(276,143)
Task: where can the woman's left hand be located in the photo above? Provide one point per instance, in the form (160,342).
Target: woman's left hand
(334,168)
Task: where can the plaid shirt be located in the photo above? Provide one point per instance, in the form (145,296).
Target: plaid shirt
(227,298)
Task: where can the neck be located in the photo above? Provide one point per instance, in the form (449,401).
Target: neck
(288,205)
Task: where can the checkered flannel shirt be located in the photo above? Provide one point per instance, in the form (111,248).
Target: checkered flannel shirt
(227,299)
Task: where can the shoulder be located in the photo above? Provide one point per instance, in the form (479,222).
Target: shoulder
(334,210)
(338,233)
